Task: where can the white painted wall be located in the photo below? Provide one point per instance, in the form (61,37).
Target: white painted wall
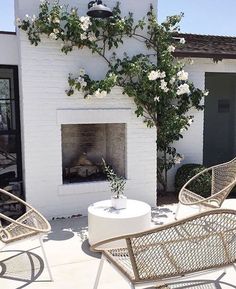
(45,106)
(8,49)
(191,146)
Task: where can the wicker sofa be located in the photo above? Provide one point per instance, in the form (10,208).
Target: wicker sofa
(201,242)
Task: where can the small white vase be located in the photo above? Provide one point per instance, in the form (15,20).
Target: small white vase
(119,203)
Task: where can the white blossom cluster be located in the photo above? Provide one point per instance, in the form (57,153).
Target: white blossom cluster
(163,85)
(98,94)
(80,79)
(183,89)
(177,159)
(182,75)
(171,48)
(154,74)
(90,36)
(85,22)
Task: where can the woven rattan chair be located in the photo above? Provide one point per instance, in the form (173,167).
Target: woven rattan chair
(223,180)
(30,224)
(167,253)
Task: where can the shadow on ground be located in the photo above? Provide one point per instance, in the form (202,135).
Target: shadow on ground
(21,266)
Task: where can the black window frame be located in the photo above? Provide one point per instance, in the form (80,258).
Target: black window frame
(17,130)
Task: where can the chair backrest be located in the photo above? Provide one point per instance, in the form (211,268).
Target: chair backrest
(203,241)
(29,223)
(224,178)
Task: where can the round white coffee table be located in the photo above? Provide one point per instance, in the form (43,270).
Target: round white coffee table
(105,222)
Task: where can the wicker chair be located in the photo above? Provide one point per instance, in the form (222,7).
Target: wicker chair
(167,253)
(30,224)
(223,180)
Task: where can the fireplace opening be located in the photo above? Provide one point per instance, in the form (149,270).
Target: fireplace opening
(84,146)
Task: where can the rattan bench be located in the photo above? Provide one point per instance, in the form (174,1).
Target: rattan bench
(195,244)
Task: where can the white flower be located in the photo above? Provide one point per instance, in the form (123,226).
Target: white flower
(56,31)
(163,86)
(26,15)
(205,93)
(83,36)
(182,75)
(83,83)
(153,75)
(18,21)
(178,159)
(171,48)
(85,20)
(182,89)
(33,18)
(100,93)
(56,20)
(162,74)
(172,80)
(42,1)
(157,98)
(91,36)
(182,40)
(81,72)
(191,61)
(103,93)
(52,36)
(190,121)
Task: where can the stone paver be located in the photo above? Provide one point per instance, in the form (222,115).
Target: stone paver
(74,266)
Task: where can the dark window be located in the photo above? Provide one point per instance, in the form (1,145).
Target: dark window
(10,148)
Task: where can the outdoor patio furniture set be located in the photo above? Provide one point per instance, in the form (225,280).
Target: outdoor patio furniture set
(204,241)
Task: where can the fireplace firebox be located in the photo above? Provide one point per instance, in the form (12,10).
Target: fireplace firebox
(85,145)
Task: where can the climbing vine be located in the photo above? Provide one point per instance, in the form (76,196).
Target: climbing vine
(155,80)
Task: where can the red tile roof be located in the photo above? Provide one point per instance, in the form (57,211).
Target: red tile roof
(207,46)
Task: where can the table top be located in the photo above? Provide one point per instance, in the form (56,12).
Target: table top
(104,209)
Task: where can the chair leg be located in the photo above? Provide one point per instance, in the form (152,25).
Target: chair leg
(99,272)
(234,266)
(177,211)
(132,286)
(45,258)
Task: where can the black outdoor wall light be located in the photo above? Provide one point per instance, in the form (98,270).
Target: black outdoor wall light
(98,10)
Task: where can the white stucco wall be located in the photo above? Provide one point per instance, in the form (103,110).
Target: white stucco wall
(45,106)
(191,146)
(8,49)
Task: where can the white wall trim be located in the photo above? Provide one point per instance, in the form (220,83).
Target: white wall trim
(102,115)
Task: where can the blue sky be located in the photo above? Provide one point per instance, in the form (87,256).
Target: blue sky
(215,17)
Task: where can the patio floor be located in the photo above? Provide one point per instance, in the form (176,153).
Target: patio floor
(74,266)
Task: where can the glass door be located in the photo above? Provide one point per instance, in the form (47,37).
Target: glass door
(10,143)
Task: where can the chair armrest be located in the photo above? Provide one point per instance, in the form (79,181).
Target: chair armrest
(6,218)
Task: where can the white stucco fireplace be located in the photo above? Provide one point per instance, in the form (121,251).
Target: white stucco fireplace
(101,133)
(52,124)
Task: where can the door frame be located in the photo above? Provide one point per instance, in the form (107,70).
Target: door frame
(18,122)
